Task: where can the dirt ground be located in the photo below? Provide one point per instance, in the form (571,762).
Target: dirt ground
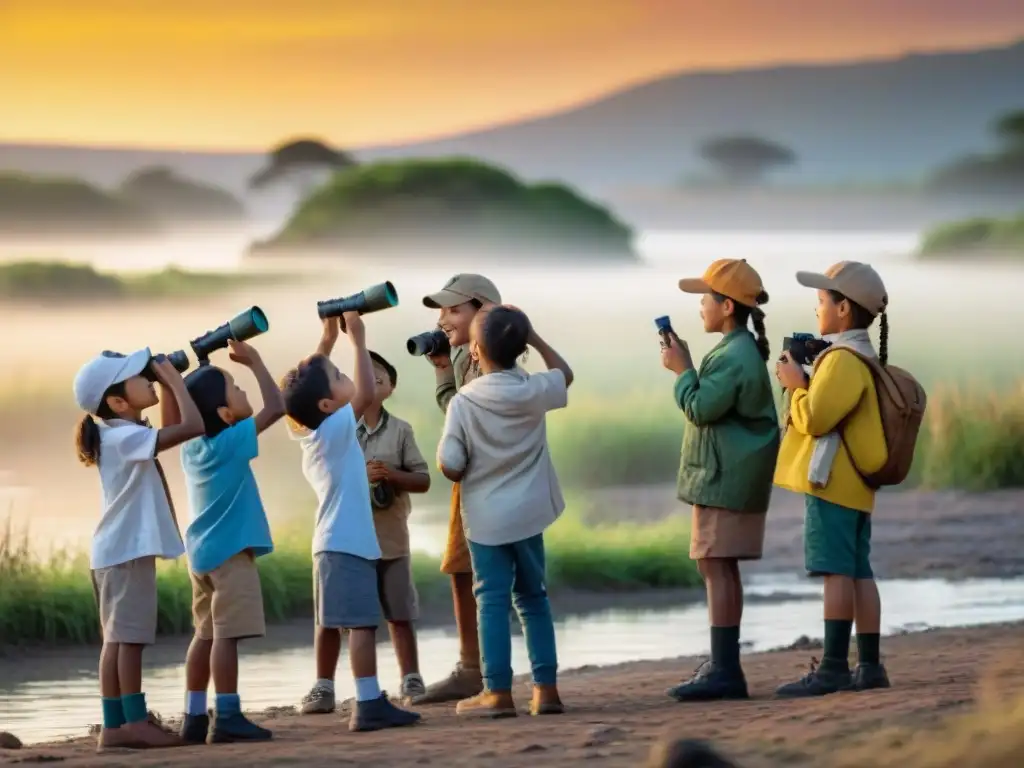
(617,715)
(914,534)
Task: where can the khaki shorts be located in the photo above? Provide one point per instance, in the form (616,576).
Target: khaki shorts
(126,598)
(227,602)
(456,553)
(723,533)
(398,598)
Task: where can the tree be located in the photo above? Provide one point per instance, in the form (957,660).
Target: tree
(745,159)
(1010,128)
(177,198)
(302,161)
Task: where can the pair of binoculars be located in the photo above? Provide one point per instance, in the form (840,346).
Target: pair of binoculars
(242,327)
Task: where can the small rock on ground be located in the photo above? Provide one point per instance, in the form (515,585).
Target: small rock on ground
(9,741)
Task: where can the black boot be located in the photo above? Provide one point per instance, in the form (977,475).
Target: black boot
(868,677)
(194,729)
(830,677)
(378,714)
(712,682)
(236,727)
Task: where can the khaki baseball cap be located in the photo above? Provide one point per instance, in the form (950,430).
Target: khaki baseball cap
(856,281)
(462,288)
(729,277)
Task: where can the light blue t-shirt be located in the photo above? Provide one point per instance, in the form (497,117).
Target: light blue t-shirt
(225,508)
(333,463)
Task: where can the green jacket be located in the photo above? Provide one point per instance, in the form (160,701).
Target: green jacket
(731,437)
(455,378)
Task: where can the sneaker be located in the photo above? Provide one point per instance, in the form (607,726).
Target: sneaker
(819,681)
(194,729)
(147,734)
(116,738)
(868,677)
(462,683)
(711,682)
(491,704)
(319,701)
(412,688)
(546,701)
(236,727)
(378,714)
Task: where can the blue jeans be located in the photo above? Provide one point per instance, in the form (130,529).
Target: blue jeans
(507,575)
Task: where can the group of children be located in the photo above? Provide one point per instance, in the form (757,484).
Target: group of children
(363,462)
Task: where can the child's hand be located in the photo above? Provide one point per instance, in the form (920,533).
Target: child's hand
(377,471)
(166,373)
(441,362)
(332,330)
(675,354)
(789,374)
(243,353)
(354,328)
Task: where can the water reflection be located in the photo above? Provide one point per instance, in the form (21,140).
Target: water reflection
(275,676)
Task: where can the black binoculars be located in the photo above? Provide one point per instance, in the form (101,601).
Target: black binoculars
(373,299)
(178,359)
(803,348)
(431,343)
(244,326)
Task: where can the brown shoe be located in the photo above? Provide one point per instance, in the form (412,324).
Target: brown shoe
(462,683)
(488,704)
(149,735)
(116,738)
(546,701)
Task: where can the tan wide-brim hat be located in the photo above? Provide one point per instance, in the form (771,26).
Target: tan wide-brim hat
(462,288)
(858,282)
(733,278)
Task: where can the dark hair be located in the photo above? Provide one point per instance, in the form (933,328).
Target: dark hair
(303,389)
(504,335)
(863,319)
(87,435)
(391,371)
(741,313)
(476,303)
(208,388)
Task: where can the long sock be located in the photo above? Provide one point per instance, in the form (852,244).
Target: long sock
(725,647)
(113,713)
(867,648)
(228,704)
(367,688)
(134,705)
(195,703)
(837,642)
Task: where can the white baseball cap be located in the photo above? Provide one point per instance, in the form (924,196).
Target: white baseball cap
(104,371)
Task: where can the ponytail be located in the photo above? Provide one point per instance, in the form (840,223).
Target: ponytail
(883,339)
(757,320)
(87,441)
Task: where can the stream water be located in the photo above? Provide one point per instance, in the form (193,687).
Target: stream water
(54,694)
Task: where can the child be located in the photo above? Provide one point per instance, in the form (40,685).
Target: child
(138,523)
(495,444)
(459,302)
(324,405)
(395,468)
(228,531)
(826,465)
(730,445)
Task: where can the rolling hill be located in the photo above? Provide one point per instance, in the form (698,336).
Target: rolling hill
(854,122)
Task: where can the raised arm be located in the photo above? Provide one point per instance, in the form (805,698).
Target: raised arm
(551,358)
(273,399)
(706,398)
(363,374)
(190,424)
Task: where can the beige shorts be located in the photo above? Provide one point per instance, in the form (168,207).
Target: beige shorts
(398,598)
(227,602)
(456,558)
(723,533)
(126,597)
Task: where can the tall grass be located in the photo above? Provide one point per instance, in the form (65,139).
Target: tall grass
(51,600)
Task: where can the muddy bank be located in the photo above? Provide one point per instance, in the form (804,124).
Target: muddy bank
(914,534)
(618,714)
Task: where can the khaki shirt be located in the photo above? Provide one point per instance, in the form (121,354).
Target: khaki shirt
(392,442)
(462,372)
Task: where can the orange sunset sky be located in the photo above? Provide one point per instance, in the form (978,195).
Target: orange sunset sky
(247,73)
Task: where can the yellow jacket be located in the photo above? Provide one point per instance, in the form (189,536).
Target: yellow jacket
(842,391)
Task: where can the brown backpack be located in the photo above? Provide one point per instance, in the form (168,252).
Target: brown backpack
(901,403)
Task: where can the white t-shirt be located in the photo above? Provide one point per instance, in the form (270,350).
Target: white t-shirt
(495,430)
(333,463)
(137,520)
